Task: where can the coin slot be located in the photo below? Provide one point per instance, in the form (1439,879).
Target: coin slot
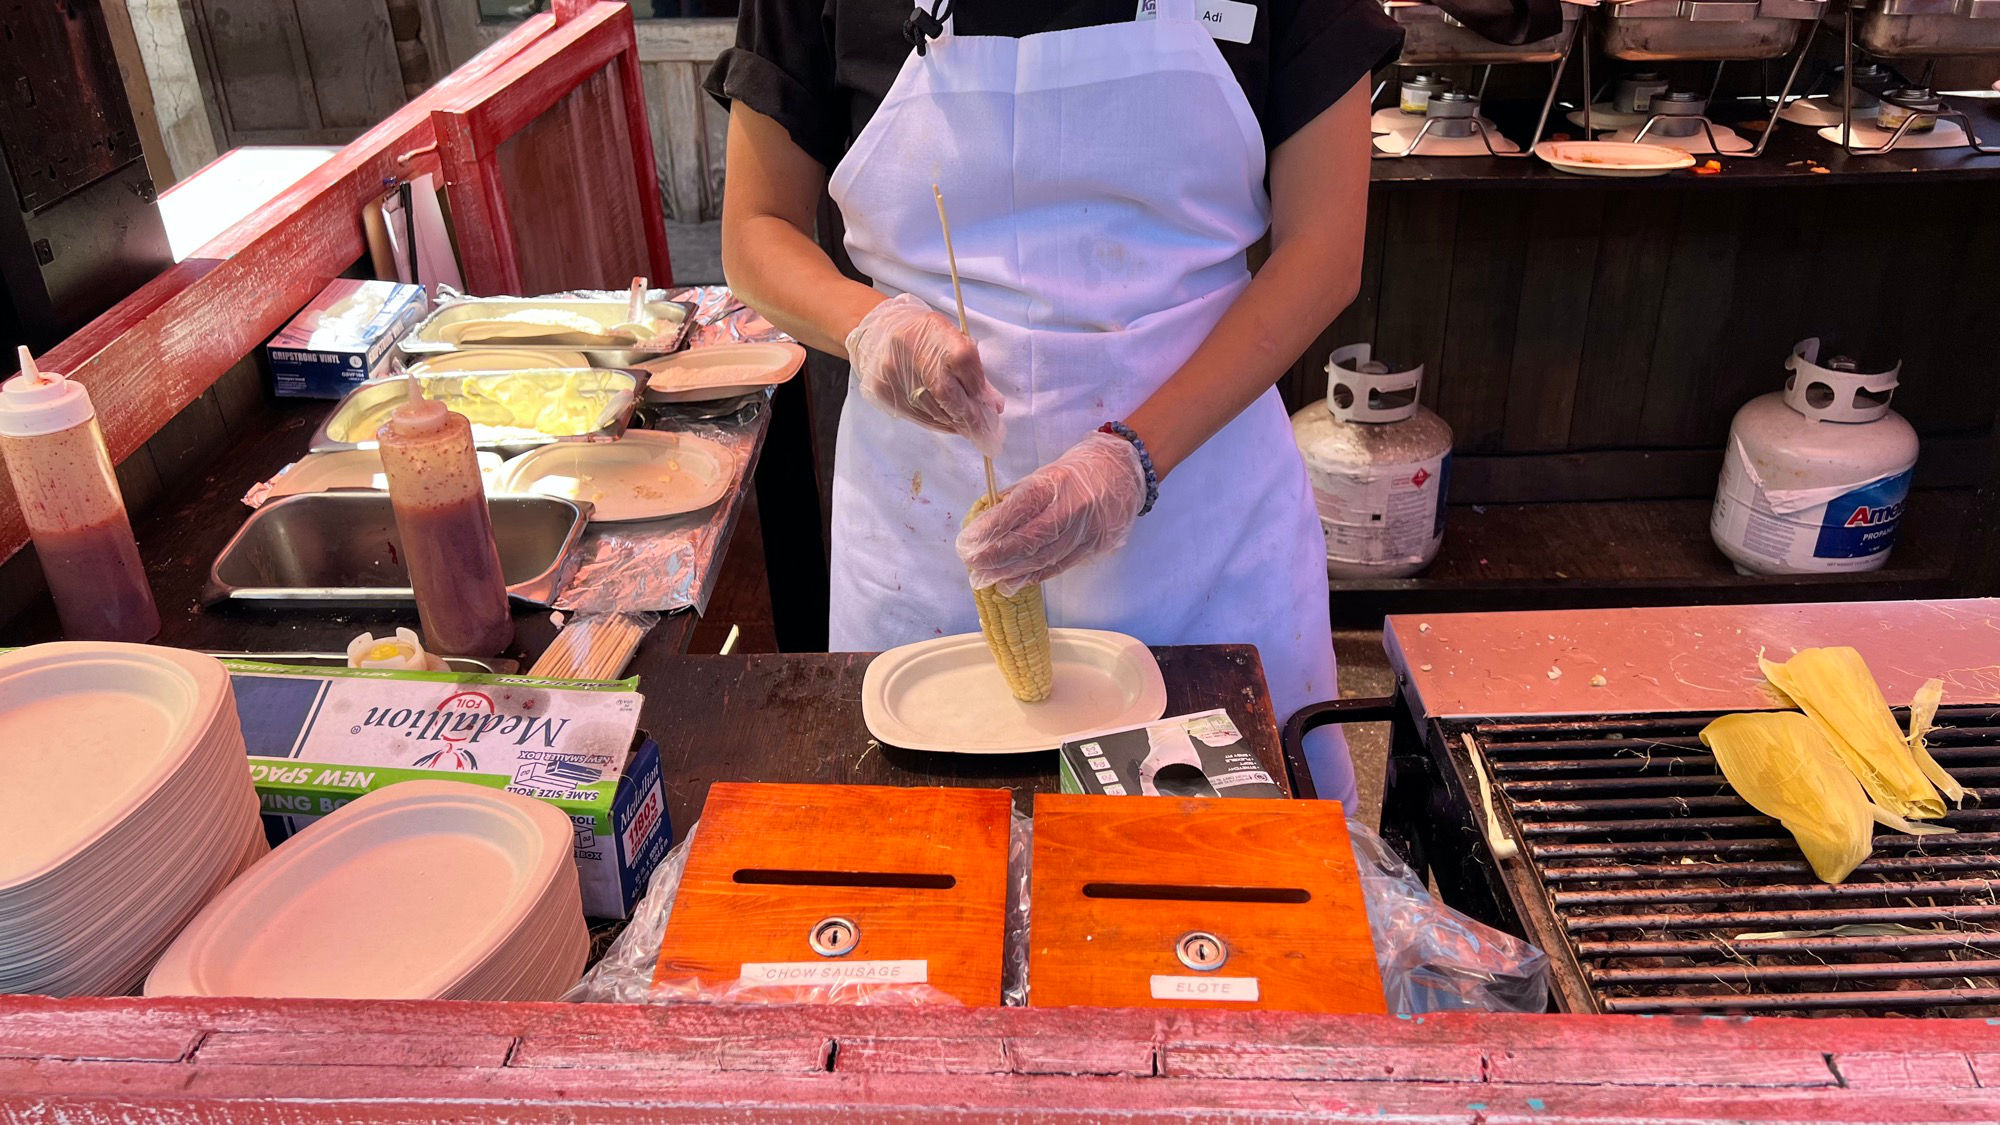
(903,880)
(1164,892)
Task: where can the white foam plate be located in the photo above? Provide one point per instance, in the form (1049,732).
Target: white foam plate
(1819,112)
(399,894)
(1604,118)
(1434,145)
(1870,134)
(1613,158)
(87,732)
(500,359)
(721,371)
(351,468)
(948,695)
(1394,120)
(645,475)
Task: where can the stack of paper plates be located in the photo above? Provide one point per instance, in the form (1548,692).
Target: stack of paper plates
(420,890)
(125,803)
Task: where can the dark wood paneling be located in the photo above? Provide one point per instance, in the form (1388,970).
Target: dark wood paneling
(1549,331)
(1481,310)
(1418,236)
(1626,289)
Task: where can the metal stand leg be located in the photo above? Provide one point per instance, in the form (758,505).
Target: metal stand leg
(1791,80)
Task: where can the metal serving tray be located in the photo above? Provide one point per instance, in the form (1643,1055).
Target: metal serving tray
(1922,28)
(353,423)
(335,549)
(677,316)
(1667,30)
(1432,38)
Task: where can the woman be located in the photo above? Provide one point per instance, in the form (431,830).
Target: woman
(1104,176)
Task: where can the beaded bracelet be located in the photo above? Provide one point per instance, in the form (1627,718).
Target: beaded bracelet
(1120,429)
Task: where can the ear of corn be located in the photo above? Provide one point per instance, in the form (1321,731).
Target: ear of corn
(1923,715)
(1834,687)
(1017,630)
(1780,762)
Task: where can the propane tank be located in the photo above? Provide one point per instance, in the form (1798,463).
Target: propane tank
(1815,476)
(1378,463)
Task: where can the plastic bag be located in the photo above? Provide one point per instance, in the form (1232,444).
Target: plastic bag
(1432,958)
(624,975)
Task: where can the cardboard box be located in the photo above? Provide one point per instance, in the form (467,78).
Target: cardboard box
(1200,755)
(343,337)
(320,737)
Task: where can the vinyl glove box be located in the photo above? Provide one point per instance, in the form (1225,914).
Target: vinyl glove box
(320,737)
(343,337)
(1200,755)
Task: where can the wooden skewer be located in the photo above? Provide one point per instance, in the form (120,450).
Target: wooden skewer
(958,295)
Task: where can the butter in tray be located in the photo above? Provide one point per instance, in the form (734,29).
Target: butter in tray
(509,410)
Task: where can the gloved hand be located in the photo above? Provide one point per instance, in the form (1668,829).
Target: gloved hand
(914,363)
(1071,510)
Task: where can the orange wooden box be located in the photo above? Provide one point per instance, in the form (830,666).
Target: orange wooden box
(817,885)
(1197,903)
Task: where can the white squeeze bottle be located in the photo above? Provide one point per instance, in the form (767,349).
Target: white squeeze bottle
(69,497)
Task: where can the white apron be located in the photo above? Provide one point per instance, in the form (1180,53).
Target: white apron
(1103,185)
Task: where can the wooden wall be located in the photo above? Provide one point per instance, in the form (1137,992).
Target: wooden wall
(674,56)
(1566,333)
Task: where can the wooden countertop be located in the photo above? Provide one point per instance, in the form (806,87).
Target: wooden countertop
(797,717)
(1680,658)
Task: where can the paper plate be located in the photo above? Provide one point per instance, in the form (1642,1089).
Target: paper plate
(1394,120)
(499,359)
(645,475)
(1604,118)
(948,695)
(1613,158)
(396,895)
(721,371)
(1434,145)
(87,733)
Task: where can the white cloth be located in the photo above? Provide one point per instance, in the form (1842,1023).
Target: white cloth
(1103,184)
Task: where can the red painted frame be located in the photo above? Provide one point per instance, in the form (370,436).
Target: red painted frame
(588,38)
(152,354)
(319,1060)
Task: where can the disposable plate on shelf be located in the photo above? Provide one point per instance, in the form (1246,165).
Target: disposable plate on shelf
(721,371)
(948,695)
(646,475)
(1613,158)
(351,469)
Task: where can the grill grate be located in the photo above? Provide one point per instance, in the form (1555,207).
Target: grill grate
(1646,872)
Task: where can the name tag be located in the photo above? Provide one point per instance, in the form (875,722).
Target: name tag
(1229,20)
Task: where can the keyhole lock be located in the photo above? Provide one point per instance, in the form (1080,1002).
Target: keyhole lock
(1201,951)
(834,937)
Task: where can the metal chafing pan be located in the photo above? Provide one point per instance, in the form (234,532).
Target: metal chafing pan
(1432,38)
(1921,28)
(674,317)
(1665,30)
(334,549)
(353,423)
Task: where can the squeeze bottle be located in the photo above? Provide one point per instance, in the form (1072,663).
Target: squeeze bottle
(446,528)
(69,497)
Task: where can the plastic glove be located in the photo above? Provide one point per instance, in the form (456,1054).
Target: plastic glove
(1071,510)
(914,363)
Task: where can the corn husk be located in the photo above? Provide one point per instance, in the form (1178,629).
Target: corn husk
(1834,687)
(1780,762)
(1923,716)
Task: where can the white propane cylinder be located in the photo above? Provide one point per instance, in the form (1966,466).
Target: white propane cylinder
(1815,476)
(1379,462)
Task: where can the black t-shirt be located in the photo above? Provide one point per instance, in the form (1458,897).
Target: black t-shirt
(821,67)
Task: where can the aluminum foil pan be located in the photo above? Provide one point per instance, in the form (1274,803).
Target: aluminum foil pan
(511,412)
(434,334)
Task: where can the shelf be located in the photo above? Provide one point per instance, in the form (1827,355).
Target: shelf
(1784,162)
(1643,552)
